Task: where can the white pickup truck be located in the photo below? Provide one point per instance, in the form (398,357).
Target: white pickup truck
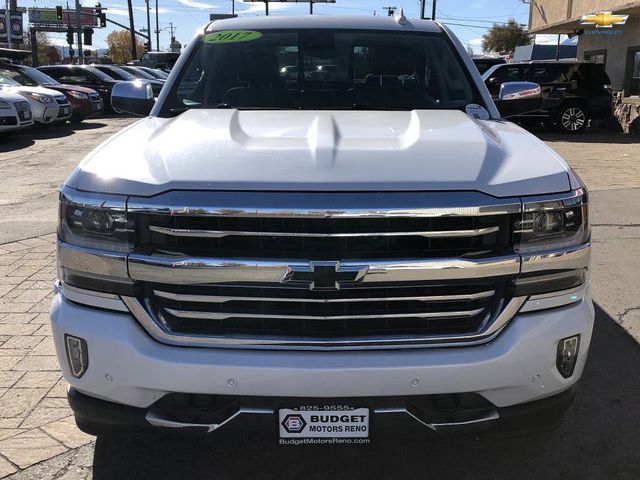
(324,221)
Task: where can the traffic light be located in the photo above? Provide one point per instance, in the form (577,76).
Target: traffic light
(70,35)
(59,13)
(103,20)
(147,46)
(88,36)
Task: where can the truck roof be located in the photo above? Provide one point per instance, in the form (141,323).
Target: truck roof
(325,21)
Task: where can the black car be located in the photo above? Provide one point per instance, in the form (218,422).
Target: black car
(85,76)
(120,74)
(140,72)
(485,63)
(573,92)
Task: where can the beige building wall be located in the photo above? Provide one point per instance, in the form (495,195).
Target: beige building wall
(544,14)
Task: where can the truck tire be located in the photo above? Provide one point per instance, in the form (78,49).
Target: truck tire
(571,118)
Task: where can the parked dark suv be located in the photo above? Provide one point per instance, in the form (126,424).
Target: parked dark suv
(573,92)
(483,63)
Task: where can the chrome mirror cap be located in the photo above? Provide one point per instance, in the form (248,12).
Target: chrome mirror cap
(134,97)
(519,91)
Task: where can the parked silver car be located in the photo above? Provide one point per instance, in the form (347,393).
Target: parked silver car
(15,112)
(47,106)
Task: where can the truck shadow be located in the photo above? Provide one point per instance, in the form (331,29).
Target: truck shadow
(597,440)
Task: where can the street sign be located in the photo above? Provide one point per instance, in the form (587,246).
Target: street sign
(16,27)
(49,16)
(13,26)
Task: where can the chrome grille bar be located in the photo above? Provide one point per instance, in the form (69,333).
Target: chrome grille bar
(225,315)
(181,297)
(185,270)
(184,232)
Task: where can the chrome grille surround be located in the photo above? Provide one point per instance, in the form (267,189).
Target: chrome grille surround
(393,301)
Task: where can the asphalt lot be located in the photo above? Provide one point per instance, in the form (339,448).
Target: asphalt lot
(597,440)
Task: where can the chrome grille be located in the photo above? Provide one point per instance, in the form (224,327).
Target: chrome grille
(351,312)
(240,267)
(328,238)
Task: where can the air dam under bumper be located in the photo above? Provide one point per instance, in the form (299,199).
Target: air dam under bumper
(127,366)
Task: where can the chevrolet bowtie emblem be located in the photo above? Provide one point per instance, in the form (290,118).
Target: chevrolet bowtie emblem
(325,275)
(604,19)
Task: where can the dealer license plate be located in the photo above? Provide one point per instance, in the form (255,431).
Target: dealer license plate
(324,423)
(65,111)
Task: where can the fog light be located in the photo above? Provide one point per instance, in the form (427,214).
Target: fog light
(567,355)
(77,355)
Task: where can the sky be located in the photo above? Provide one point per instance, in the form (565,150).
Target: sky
(468,19)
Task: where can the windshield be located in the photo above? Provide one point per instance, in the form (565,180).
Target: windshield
(100,74)
(6,81)
(28,76)
(323,69)
(137,73)
(157,73)
(117,73)
(490,71)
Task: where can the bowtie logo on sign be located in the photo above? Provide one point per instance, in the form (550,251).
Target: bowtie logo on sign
(604,19)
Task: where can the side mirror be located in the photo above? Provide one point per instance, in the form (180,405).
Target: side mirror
(134,97)
(519,98)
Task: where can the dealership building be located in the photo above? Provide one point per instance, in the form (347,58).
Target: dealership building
(610,39)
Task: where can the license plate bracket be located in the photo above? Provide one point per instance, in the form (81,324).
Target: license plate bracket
(324,422)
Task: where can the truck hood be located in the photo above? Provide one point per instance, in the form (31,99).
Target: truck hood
(223,149)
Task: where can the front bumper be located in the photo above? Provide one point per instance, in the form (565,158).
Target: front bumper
(51,112)
(95,416)
(126,366)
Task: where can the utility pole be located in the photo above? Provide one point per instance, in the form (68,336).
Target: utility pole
(433,10)
(233,7)
(310,7)
(7,22)
(34,46)
(390,10)
(148,26)
(422,6)
(157,29)
(134,54)
(266,7)
(79,32)
(173,38)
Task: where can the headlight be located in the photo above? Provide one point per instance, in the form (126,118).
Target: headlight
(4,105)
(553,222)
(78,95)
(40,97)
(95,221)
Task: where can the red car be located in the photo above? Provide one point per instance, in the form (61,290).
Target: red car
(85,101)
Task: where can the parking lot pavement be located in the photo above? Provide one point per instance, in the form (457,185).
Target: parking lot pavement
(38,439)
(33,164)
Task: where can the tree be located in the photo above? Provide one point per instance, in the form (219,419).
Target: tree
(119,43)
(47,53)
(505,38)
